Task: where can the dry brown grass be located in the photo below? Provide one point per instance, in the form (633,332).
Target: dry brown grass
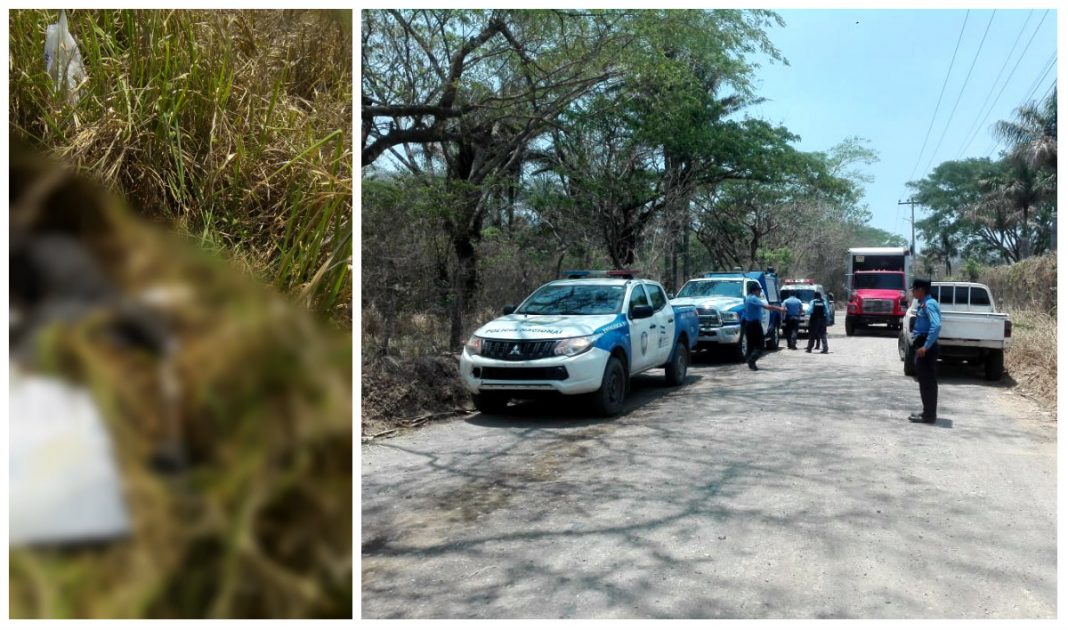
(1030,285)
(233,126)
(1032,359)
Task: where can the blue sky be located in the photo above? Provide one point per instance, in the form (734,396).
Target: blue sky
(880,79)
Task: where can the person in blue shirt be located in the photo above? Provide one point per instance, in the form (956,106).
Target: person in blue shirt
(751,324)
(793,319)
(818,316)
(924,336)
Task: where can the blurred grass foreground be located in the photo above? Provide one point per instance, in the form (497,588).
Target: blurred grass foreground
(232,126)
(225,404)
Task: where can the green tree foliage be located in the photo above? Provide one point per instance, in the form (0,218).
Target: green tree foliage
(535,139)
(995,210)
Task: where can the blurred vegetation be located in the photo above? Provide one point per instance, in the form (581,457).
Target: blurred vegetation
(231,132)
(233,126)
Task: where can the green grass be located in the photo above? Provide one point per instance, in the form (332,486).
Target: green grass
(235,127)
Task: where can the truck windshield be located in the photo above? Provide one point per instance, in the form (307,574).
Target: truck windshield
(891,281)
(574,299)
(805,295)
(709,288)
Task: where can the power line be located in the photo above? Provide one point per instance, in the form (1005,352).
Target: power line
(1011,74)
(940,94)
(993,86)
(1049,90)
(949,121)
(1038,82)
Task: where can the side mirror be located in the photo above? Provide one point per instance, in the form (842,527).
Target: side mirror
(641,312)
(671,296)
(508,309)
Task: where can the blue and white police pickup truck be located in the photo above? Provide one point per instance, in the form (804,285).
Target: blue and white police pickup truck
(582,335)
(719,298)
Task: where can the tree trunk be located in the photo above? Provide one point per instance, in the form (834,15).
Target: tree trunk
(464,285)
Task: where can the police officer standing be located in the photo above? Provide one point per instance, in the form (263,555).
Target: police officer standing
(751,325)
(817,323)
(793,319)
(924,335)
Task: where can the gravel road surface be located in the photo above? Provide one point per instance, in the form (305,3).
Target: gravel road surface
(799,491)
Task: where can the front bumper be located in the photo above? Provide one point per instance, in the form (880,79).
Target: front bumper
(580,374)
(726,334)
(861,318)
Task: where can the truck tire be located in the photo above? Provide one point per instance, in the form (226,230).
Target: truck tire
(490,402)
(741,349)
(675,370)
(995,365)
(608,400)
(850,326)
(773,342)
(910,361)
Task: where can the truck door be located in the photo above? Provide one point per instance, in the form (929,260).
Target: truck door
(642,333)
(664,317)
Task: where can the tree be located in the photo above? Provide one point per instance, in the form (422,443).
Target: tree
(1032,137)
(466,93)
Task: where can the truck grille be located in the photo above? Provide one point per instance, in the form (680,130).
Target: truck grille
(878,306)
(708,318)
(516,350)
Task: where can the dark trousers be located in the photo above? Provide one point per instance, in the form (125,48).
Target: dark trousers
(817,332)
(927,375)
(792,324)
(754,336)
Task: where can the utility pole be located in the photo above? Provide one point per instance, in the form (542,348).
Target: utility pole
(913,203)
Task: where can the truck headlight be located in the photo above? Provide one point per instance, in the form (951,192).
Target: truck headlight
(729,316)
(474,345)
(574,345)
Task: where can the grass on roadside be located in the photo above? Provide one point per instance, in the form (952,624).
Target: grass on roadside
(233,126)
(1032,359)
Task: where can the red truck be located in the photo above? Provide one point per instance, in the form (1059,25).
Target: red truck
(877,283)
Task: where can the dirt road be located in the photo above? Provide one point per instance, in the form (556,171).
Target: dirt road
(797,491)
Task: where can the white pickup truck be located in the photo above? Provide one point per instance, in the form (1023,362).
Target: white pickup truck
(584,335)
(972,329)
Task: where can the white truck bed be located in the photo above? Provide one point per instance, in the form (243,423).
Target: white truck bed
(978,330)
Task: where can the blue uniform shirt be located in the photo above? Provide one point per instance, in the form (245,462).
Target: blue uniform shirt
(753,306)
(793,306)
(928,321)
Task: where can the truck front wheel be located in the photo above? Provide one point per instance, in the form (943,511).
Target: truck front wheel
(910,361)
(608,400)
(490,402)
(675,372)
(741,349)
(850,326)
(995,365)
(773,342)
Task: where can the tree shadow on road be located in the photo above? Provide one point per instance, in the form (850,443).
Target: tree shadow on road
(696,511)
(555,411)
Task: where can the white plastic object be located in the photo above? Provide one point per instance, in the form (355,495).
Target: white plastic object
(64,483)
(63,60)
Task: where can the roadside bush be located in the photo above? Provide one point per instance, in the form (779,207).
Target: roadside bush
(1032,359)
(1030,285)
